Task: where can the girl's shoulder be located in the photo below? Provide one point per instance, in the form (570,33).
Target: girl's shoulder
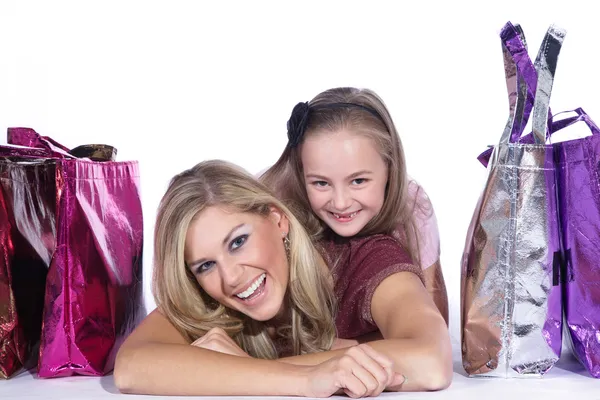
(379,249)
(425,224)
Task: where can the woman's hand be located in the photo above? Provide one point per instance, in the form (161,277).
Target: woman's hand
(217,339)
(359,372)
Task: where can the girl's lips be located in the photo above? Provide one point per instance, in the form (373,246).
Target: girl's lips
(345,217)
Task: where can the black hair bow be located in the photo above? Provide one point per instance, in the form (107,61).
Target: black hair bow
(297,123)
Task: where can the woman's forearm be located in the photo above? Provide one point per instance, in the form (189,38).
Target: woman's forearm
(177,369)
(426,365)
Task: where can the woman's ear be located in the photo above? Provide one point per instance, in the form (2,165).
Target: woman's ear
(282,221)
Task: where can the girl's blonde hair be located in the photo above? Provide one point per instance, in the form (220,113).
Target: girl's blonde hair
(362,112)
(179,296)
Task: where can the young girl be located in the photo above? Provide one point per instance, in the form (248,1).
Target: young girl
(344,170)
(245,304)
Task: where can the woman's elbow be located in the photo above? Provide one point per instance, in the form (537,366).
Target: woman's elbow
(123,374)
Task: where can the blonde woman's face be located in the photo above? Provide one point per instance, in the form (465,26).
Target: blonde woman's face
(239,259)
(345,179)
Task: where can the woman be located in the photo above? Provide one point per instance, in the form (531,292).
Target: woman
(241,291)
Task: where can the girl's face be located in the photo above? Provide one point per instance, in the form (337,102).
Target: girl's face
(345,179)
(239,260)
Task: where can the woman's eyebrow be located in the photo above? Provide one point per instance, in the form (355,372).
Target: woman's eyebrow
(225,241)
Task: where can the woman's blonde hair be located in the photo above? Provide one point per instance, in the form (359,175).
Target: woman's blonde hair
(178,294)
(362,112)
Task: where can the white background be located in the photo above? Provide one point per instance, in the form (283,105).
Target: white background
(173,83)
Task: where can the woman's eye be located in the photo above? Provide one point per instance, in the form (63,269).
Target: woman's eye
(204,267)
(320,183)
(238,242)
(359,181)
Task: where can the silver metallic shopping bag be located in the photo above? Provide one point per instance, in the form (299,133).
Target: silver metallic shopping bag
(510,288)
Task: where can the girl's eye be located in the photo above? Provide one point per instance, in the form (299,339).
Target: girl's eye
(238,242)
(204,267)
(320,183)
(359,181)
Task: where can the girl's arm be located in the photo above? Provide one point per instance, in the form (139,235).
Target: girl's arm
(428,236)
(156,359)
(415,335)
(434,282)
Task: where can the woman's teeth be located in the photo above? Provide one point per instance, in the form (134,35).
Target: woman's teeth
(248,292)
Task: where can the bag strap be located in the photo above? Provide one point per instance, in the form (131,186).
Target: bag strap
(29,138)
(555,126)
(566,122)
(520,72)
(521,81)
(520,87)
(545,65)
(47,147)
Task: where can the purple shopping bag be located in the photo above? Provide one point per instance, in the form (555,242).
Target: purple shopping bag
(510,292)
(578,169)
(578,165)
(94,281)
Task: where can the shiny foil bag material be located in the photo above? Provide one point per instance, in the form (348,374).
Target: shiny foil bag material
(578,179)
(93,293)
(578,166)
(510,289)
(27,232)
(578,169)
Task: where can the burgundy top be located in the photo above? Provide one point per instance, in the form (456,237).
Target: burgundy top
(359,265)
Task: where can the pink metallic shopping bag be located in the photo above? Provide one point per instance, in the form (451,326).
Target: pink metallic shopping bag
(27,243)
(94,281)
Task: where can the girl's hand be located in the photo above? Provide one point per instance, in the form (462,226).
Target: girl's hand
(343,343)
(217,339)
(360,372)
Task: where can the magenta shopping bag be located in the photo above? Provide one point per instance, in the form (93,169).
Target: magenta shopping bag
(94,281)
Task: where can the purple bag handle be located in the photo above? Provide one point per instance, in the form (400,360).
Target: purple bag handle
(554,126)
(521,81)
(518,65)
(581,116)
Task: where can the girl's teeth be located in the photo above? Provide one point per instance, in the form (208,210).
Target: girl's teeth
(248,292)
(349,216)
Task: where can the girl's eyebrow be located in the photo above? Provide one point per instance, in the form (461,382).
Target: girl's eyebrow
(361,172)
(353,175)
(316,176)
